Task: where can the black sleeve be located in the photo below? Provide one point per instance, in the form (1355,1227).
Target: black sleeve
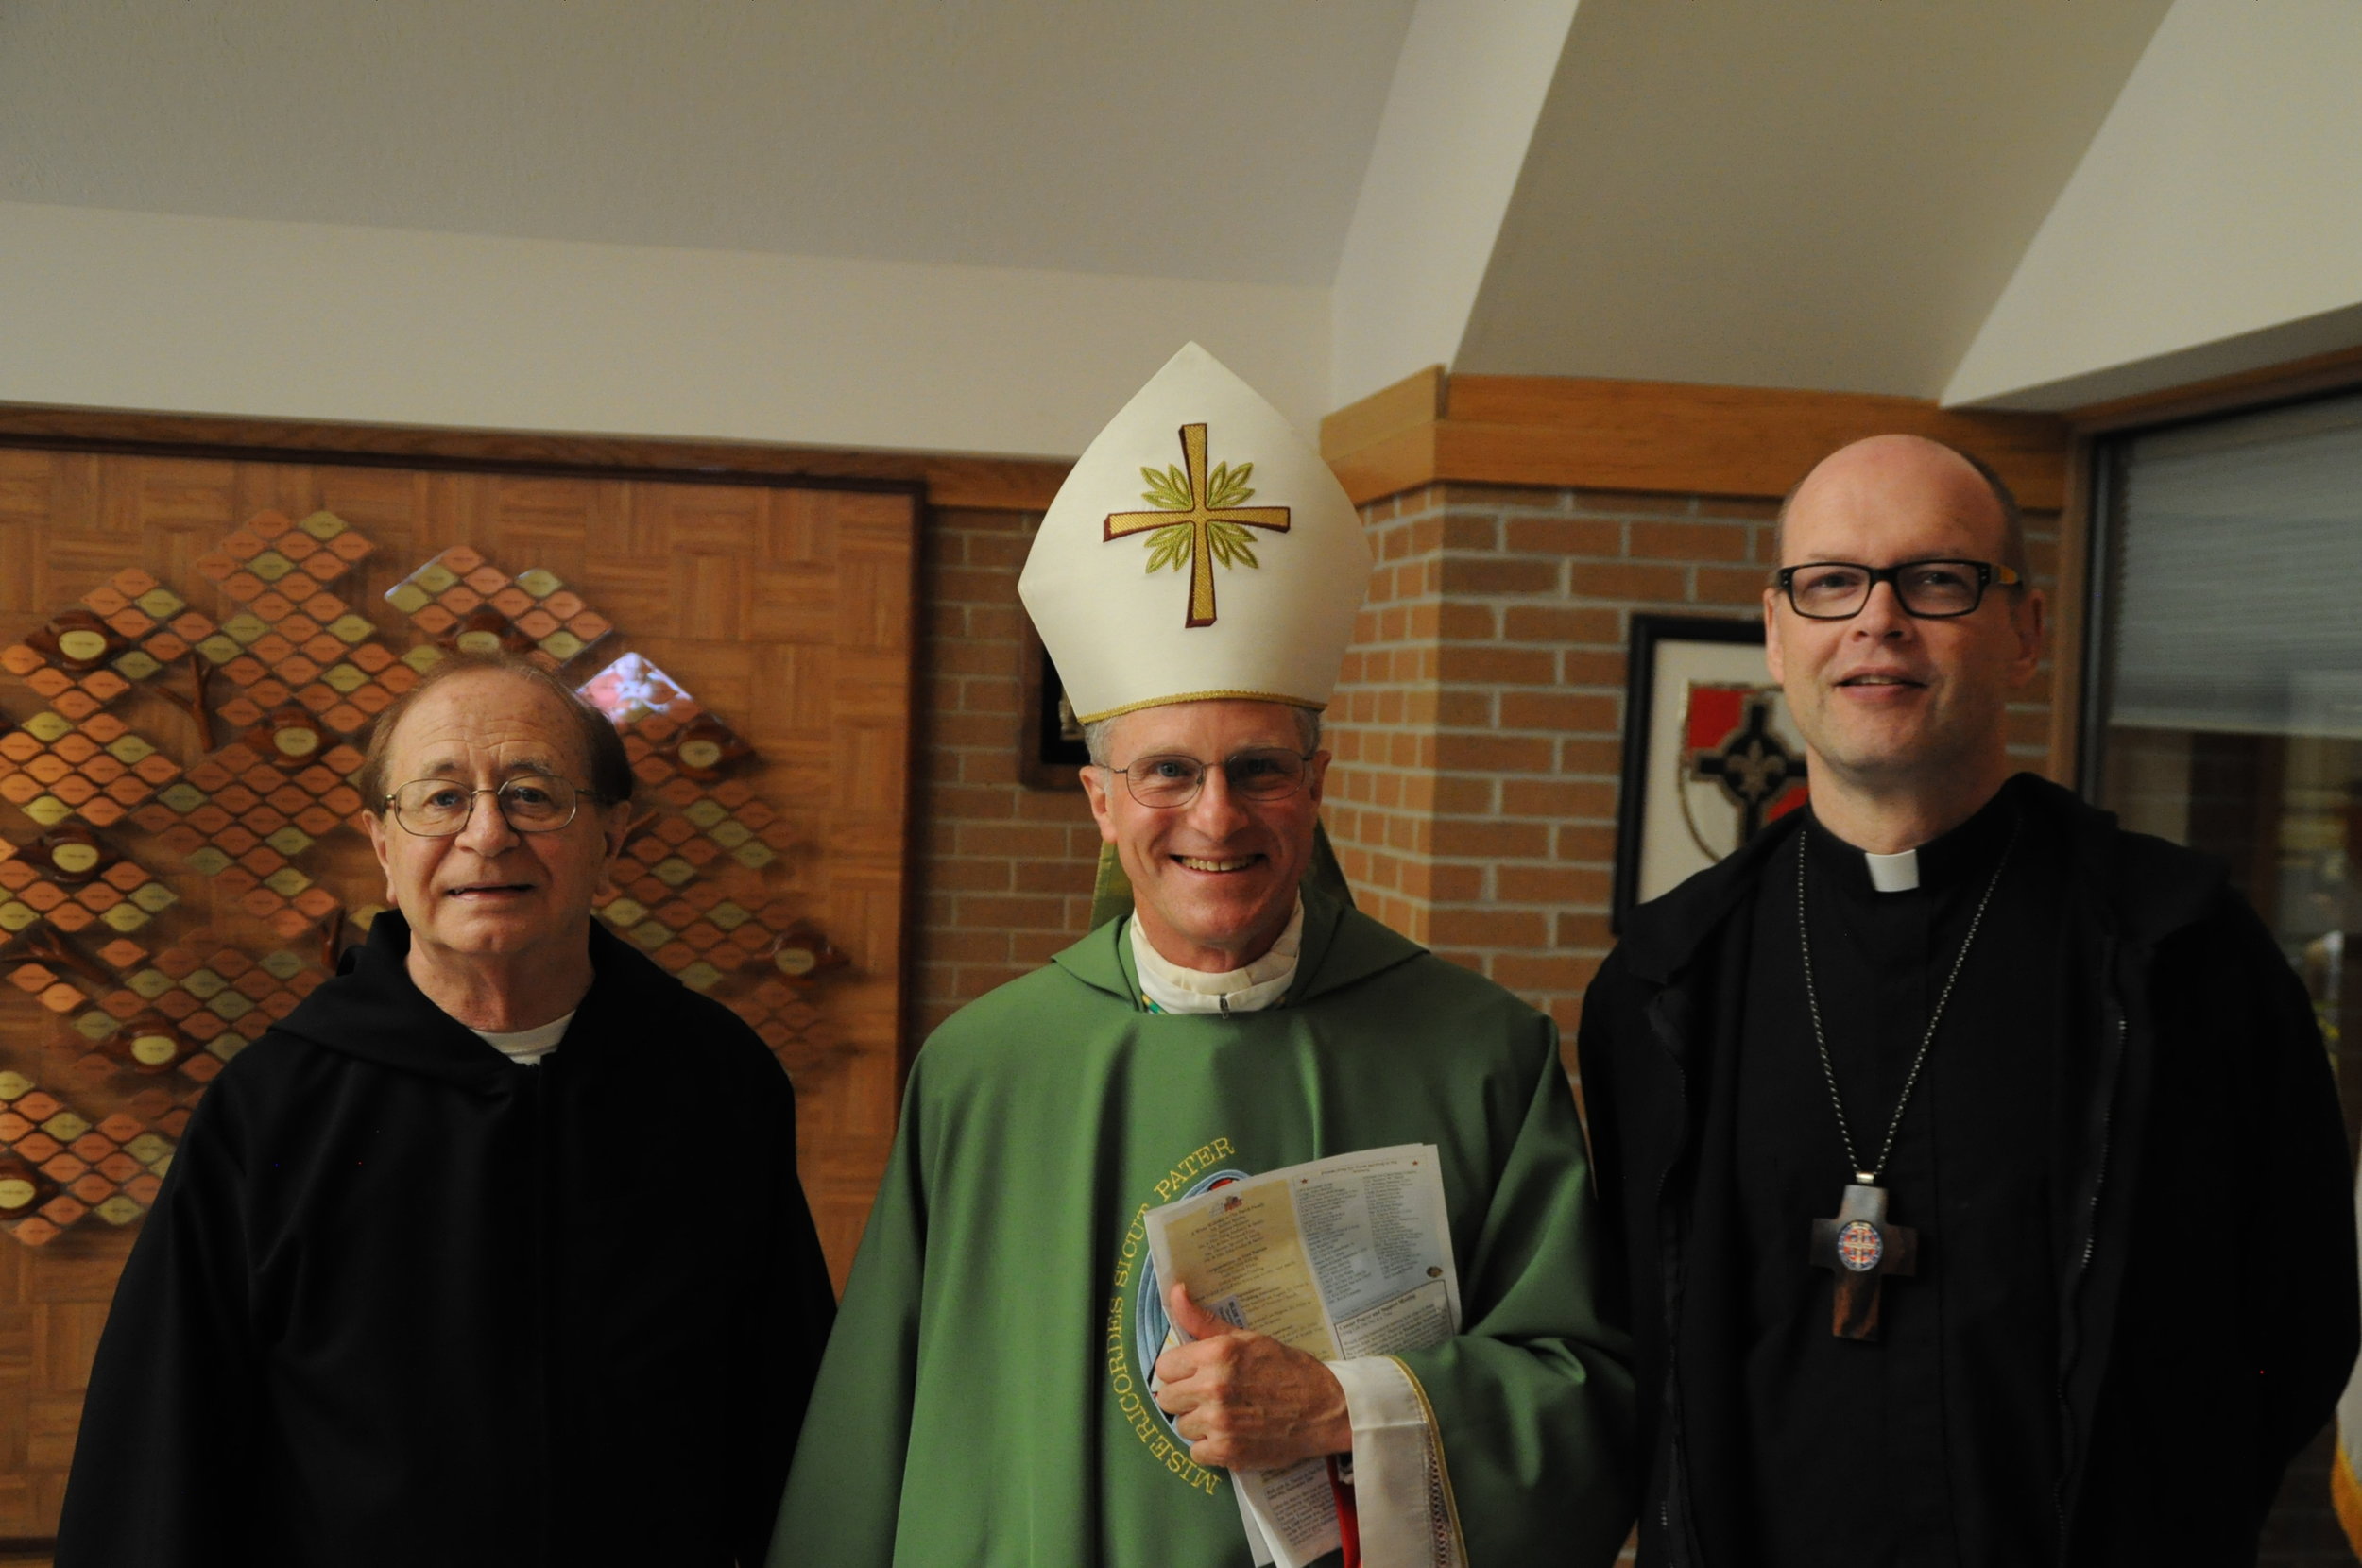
(2306,1337)
(1605,1002)
(794,1308)
(169,1422)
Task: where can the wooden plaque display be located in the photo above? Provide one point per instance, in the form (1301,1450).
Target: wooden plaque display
(192,654)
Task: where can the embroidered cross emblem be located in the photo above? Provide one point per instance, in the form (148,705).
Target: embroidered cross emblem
(1199,517)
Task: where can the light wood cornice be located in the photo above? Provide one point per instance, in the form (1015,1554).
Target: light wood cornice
(1664,436)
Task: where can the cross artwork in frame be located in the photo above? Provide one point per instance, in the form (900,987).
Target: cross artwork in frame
(1710,754)
(1050,750)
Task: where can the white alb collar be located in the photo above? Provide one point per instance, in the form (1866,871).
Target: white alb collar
(1173,988)
(526,1046)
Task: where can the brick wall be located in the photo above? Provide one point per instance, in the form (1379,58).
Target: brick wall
(1479,728)
(1004,872)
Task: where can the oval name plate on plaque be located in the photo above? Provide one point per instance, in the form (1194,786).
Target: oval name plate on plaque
(76,640)
(76,854)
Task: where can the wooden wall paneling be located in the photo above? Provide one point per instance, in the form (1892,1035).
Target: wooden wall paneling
(19,1509)
(787,611)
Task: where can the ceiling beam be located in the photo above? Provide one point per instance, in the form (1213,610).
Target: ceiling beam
(1662,436)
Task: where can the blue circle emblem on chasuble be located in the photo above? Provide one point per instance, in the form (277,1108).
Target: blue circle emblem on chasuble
(1859,1246)
(1153,1333)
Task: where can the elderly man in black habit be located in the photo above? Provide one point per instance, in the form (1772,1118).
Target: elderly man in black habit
(1975,1163)
(407,1296)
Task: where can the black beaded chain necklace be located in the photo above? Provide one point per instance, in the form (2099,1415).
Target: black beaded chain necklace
(1861,1244)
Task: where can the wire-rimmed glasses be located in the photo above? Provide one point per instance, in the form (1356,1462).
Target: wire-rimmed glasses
(1259,773)
(530,803)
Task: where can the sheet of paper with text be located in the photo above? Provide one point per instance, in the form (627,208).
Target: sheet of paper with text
(1341,1257)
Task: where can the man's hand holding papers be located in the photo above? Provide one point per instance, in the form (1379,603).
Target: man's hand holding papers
(1245,1399)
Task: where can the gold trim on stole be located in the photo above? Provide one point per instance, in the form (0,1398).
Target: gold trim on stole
(1436,1447)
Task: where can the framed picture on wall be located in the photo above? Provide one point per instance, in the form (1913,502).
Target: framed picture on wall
(1050,754)
(1710,755)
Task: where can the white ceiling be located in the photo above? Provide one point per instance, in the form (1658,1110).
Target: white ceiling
(967,225)
(1816,194)
(1199,139)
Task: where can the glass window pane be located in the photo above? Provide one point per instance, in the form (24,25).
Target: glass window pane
(2229,705)
(2237,552)
(2228,711)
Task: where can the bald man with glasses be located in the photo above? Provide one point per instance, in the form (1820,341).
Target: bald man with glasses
(1974,1164)
(492,1253)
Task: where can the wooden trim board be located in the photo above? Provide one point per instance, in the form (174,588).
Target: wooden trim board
(2070,624)
(1411,403)
(1662,436)
(2316,374)
(998,484)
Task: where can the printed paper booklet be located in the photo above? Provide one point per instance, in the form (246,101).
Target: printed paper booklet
(1341,1257)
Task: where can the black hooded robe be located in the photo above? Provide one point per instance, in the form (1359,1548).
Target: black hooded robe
(405,1301)
(2185,1135)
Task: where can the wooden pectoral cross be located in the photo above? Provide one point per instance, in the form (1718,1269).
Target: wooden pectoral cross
(1860,1245)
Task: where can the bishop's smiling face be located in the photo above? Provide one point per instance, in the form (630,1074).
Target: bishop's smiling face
(1214,881)
(1886,695)
(489,894)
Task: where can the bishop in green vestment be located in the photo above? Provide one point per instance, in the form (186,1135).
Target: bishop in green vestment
(984,1399)
(1004,1388)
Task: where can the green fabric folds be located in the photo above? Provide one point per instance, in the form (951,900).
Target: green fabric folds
(984,1399)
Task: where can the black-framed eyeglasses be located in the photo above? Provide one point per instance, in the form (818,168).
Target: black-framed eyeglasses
(1932,590)
(530,803)
(1259,773)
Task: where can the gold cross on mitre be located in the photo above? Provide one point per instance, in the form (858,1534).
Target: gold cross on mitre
(1199,516)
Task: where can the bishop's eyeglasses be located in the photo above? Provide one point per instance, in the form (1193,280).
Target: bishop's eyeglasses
(1261,772)
(1931,590)
(530,803)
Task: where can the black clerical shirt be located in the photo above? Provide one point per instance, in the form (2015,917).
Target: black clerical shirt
(1938,1443)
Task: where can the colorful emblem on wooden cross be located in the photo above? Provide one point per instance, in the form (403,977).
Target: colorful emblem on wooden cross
(1858,1247)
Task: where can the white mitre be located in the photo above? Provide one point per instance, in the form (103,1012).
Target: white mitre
(1200,549)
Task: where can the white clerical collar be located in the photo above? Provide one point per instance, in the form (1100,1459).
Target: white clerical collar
(526,1046)
(1172,988)
(1894,873)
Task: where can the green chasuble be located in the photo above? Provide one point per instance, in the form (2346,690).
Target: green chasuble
(984,1397)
